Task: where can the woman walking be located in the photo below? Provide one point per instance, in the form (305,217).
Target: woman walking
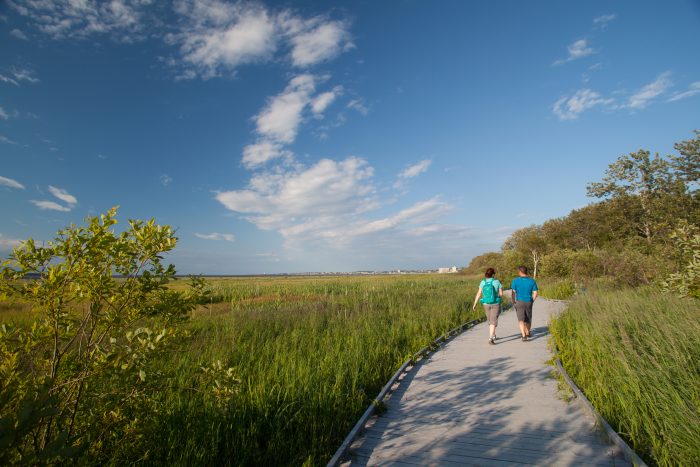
(490,291)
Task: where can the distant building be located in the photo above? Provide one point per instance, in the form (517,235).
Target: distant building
(453,269)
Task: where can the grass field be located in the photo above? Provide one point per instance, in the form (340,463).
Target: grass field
(308,354)
(636,356)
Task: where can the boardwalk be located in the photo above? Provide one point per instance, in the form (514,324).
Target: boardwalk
(473,403)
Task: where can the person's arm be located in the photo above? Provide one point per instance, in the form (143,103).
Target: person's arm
(476,299)
(534,292)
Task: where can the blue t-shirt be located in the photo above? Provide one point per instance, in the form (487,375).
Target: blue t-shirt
(523,286)
(496,285)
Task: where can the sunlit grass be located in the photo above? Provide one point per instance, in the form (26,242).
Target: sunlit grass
(636,356)
(310,353)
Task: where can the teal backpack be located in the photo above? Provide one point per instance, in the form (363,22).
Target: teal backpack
(490,296)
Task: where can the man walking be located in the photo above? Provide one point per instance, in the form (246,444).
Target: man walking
(524,292)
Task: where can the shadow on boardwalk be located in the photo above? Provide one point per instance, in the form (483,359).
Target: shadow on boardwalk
(501,411)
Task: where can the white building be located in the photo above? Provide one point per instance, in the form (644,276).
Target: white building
(447,270)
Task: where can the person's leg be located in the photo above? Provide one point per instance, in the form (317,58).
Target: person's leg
(520,312)
(492,317)
(528,318)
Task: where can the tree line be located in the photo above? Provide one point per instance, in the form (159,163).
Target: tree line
(644,228)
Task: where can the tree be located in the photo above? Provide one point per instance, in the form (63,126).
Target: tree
(104,312)
(529,240)
(637,174)
(687,162)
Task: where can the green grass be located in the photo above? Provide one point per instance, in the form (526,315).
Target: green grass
(636,356)
(561,289)
(310,354)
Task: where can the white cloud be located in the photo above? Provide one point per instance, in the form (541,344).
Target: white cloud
(222,36)
(603,20)
(3,114)
(328,206)
(166,179)
(359,106)
(6,140)
(50,205)
(259,153)
(216,236)
(693,89)
(280,118)
(218,37)
(316,40)
(63,195)
(570,107)
(16,75)
(9,243)
(4,181)
(415,169)
(62,19)
(578,49)
(644,96)
(292,200)
(321,102)
(19,34)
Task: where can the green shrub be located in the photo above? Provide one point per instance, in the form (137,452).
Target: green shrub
(78,379)
(557,290)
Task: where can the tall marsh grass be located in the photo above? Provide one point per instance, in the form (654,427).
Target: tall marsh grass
(310,354)
(636,356)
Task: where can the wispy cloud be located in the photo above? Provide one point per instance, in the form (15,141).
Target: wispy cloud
(16,76)
(19,34)
(359,106)
(61,19)
(649,92)
(8,243)
(216,236)
(693,89)
(415,169)
(165,179)
(603,20)
(578,49)
(8,182)
(321,102)
(63,195)
(6,140)
(49,205)
(329,205)
(570,107)
(3,114)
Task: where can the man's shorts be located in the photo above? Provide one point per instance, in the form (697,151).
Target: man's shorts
(524,311)
(492,312)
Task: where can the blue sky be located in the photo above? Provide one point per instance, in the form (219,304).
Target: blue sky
(331,136)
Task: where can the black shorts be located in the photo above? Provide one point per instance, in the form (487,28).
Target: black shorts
(524,311)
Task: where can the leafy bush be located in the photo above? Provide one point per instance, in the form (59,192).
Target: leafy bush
(557,290)
(78,379)
(687,282)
